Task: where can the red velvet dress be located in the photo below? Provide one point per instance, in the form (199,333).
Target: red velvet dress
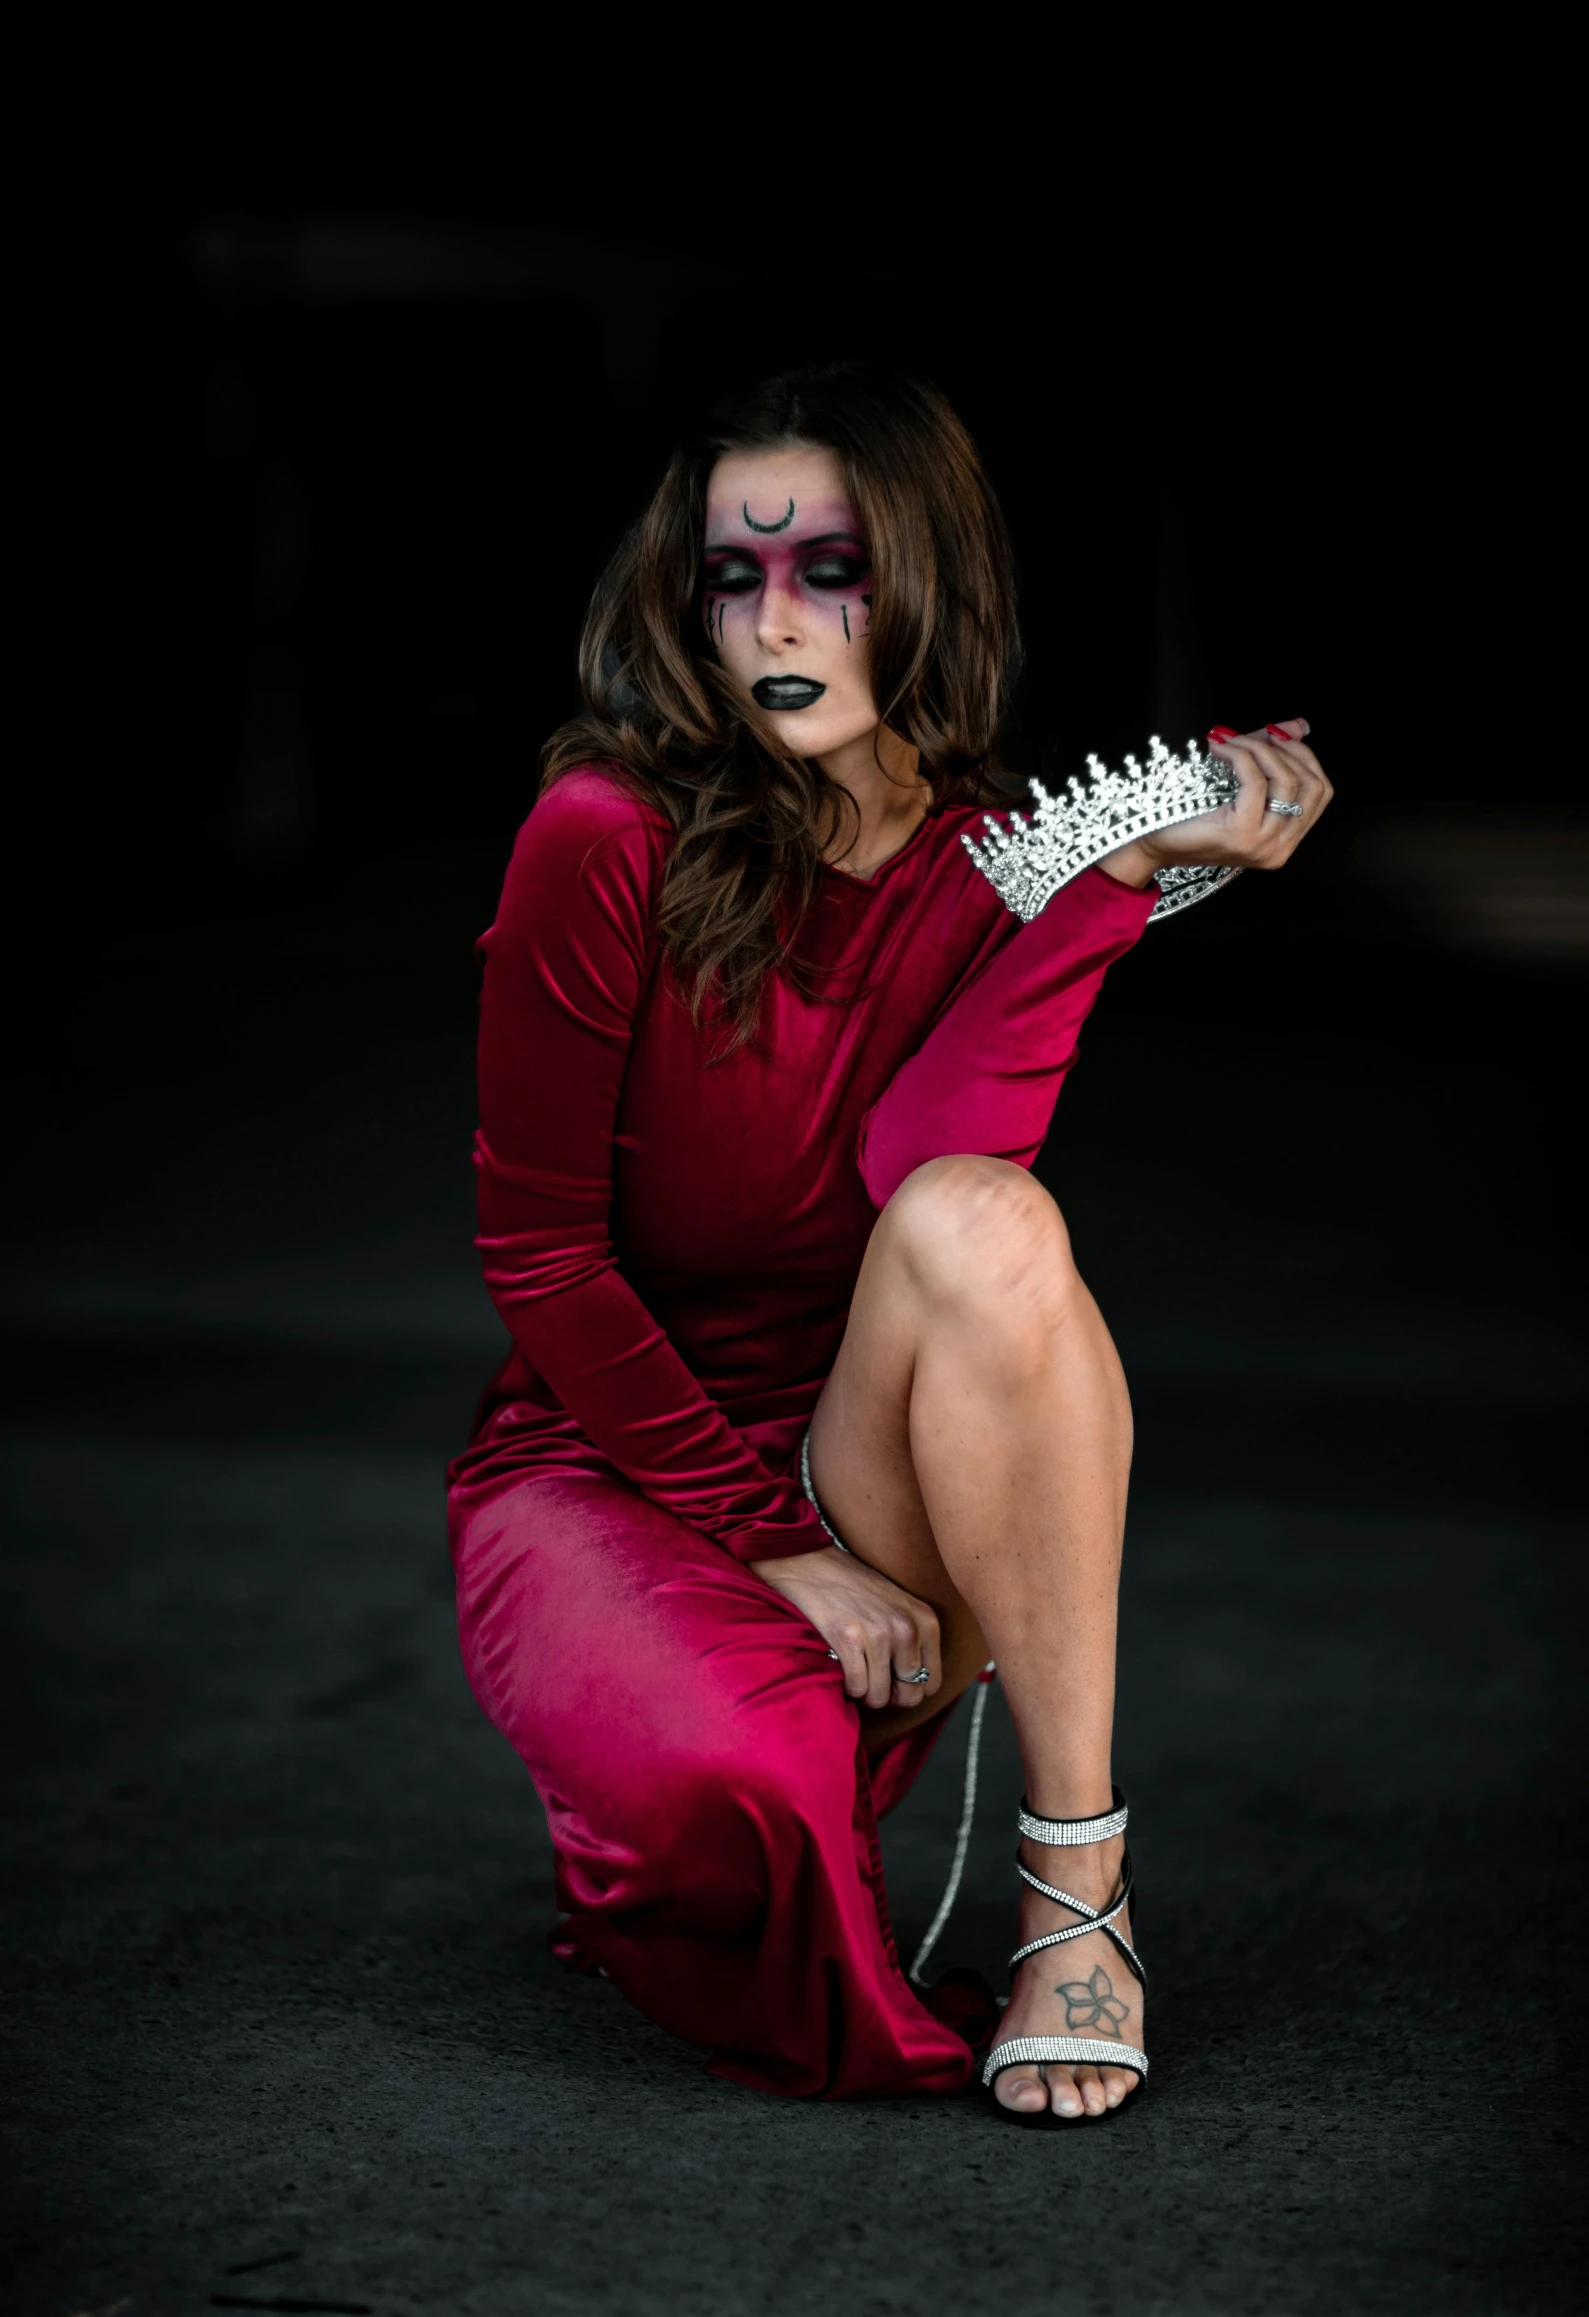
(672,1242)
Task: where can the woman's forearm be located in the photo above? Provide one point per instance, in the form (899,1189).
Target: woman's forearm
(986,1078)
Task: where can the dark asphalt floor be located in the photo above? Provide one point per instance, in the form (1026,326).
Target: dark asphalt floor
(281,2029)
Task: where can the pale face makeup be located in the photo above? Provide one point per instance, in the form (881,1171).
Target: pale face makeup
(786,593)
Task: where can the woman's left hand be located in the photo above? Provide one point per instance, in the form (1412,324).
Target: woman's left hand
(1274,767)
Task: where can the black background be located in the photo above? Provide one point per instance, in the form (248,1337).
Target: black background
(327,465)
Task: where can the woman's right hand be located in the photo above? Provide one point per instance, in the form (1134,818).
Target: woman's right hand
(874,1627)
(1272,767)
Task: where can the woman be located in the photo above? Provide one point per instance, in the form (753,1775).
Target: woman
(764,1063)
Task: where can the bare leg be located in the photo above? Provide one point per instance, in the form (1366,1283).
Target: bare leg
(973,1443)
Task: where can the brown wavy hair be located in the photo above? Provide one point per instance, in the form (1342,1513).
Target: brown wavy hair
(752,820)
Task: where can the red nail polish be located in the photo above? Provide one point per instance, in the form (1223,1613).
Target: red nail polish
(1277,732)
(1222,732)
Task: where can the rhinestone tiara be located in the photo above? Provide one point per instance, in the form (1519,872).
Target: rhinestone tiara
(1027,861)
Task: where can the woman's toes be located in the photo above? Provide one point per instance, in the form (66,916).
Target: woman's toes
(1063,2094)
(1089,2084)
(1116,2084)
(1021,2089)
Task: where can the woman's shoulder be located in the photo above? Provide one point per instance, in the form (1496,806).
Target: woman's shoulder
(592,842)
(594,819)
(597,800)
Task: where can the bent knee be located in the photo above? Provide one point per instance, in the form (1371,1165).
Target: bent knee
(979,1229)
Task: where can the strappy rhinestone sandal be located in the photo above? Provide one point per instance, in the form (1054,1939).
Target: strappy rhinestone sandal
(1074,2050)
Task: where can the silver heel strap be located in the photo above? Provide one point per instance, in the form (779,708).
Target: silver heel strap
(1092,1919)
(968,1799)
(1071,1833)
(1132,1960)
(828,1530)
(968,1811)
(1064,1899)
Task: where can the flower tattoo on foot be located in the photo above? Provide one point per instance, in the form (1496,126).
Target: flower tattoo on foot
(1093,2003)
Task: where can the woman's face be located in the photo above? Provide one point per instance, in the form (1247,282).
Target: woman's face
(786,594)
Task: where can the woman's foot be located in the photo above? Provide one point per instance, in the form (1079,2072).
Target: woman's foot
(1084,1987)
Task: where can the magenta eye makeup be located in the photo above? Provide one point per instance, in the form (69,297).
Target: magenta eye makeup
(784,579)
(829,573)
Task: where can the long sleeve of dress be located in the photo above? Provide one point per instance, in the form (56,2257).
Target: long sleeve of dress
(986,1077)
(565,964)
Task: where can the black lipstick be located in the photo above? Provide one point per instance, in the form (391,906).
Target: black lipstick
(786,692)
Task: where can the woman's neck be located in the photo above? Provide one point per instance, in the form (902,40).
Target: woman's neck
(881,774)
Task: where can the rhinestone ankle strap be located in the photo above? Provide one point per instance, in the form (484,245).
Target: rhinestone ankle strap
(1070,1833)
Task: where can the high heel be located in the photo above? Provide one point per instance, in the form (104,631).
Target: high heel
(1073,2050)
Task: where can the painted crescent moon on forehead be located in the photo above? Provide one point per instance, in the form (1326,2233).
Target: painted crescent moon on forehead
(782,525)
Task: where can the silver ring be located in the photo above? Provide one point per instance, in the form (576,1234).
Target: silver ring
(913,1680)
(1292,812)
